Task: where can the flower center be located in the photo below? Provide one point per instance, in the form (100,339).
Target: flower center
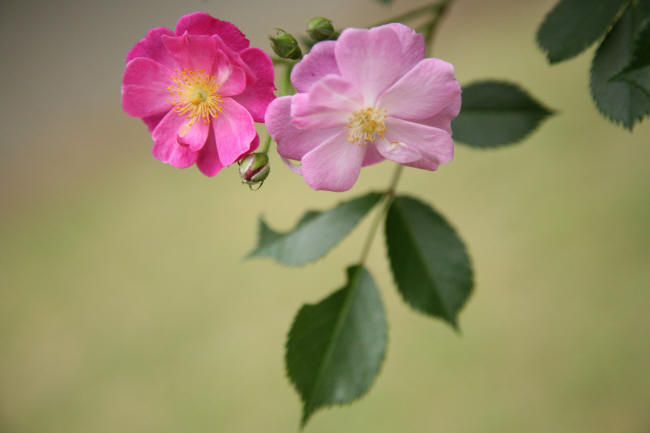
(365,125)
(194,95)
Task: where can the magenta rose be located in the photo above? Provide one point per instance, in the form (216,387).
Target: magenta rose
(199,90)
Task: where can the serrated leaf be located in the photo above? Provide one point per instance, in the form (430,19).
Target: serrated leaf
(315,234)
(335,347)
(620,101)
(573,25)
(430,264)
(496,113)
(637,72)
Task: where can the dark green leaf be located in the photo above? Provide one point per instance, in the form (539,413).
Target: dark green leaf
(495,113)
(335,347)
(637,71)
(315,234)
(429,262)
(573,25)
(620,101)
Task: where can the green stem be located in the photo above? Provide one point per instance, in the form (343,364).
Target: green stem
(379,216)
(414,13)
(430,30)
(286,88)
(266,145)
(280,61)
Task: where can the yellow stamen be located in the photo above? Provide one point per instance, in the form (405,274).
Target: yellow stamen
(365,125)
(194,95)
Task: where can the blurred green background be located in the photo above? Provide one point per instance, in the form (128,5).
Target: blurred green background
(126,305)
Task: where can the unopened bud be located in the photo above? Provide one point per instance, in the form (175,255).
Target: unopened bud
(320,29)
(254,169)
(285,45)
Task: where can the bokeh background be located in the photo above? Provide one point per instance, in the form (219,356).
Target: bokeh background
(126,305)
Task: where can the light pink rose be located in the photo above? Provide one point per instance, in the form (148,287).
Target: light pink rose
(369,96)
(199,90)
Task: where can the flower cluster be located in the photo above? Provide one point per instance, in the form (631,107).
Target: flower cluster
(368,96)
(199,90)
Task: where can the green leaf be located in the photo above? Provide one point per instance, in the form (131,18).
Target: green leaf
(620,101)
(573,25)
(315,234)
(335,347)
(637,72)
(495,113)
(429,262)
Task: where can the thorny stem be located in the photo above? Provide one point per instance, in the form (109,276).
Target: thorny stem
(439,9)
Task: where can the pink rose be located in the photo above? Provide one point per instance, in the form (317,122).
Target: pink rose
(369,96)
(199,90)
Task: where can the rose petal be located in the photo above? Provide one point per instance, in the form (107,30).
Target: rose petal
(195,135)
(193,52)
(233,131)
(256,99)
(423,92)
(435,145)
(318,63)
(292,142)
(295,167)
(443,119)
(261,65)
(165,143)
(152,47)
(200,23)
(412,43)
(334,165)
(208,160)
(369,59)
(231,78)
(254,145)
(153,121)
(330,102)
(235,59)
(372,156)
(397,151)
(307,116)
(144,88)
(334,92)
(259,95)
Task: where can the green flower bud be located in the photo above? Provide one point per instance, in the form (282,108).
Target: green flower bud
(254,169)
(320,29)
(285,45)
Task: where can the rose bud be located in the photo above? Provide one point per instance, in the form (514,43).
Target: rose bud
(254,169)
(321,29)
(285,45)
